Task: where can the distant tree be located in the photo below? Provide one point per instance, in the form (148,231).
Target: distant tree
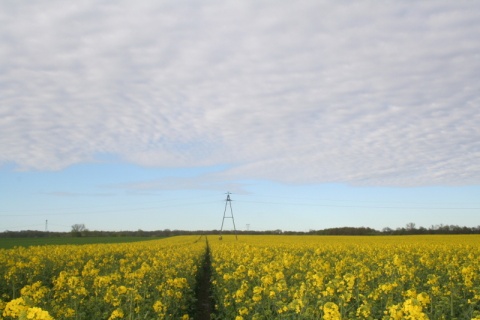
(410,226)
(422,230)
(78,229)
(387,230)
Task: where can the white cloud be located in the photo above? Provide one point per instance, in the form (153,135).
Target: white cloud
(383,94)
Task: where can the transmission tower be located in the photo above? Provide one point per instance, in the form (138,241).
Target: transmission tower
(227,202)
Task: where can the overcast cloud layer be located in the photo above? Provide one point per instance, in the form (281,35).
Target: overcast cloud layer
(293,91)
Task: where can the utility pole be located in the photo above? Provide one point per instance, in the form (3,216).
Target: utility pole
(46,225)
(227,202)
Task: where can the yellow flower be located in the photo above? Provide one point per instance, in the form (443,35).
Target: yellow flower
(122,290)
(363,311)
(17,308)
(159,307)
(256,297)
(267,280)
(240,294)
(117,313)
(279,276)
(227,277)
(38,314)
(331,312)
(14,308)
(395,312)
(257,290)
(243,311)
(413,309)
(423,298)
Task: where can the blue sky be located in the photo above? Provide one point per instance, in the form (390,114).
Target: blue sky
(127,116)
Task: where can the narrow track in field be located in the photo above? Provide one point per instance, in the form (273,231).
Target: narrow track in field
(204,305)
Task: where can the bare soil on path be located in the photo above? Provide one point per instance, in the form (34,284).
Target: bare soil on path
(204,305)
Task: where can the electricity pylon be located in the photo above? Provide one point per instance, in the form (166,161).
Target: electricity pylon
(228,201)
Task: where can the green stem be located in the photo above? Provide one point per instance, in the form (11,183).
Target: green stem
(451,303)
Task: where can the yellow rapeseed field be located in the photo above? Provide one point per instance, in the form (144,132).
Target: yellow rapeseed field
(314,277)
(256,277)
(141,280)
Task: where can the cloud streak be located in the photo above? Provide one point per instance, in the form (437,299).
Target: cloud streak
(294,92)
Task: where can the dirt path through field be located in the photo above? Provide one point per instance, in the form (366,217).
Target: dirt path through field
(204,305)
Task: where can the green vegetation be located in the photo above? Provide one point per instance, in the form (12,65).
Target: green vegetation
(7,243)
(81,235)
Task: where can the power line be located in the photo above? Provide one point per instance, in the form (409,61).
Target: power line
(362,207)
(96,206)
(356,200)
(112,211)
(106,211)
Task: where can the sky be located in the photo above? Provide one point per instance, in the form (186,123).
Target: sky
(132,115)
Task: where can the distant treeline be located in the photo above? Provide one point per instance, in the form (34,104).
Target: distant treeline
(410,229)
